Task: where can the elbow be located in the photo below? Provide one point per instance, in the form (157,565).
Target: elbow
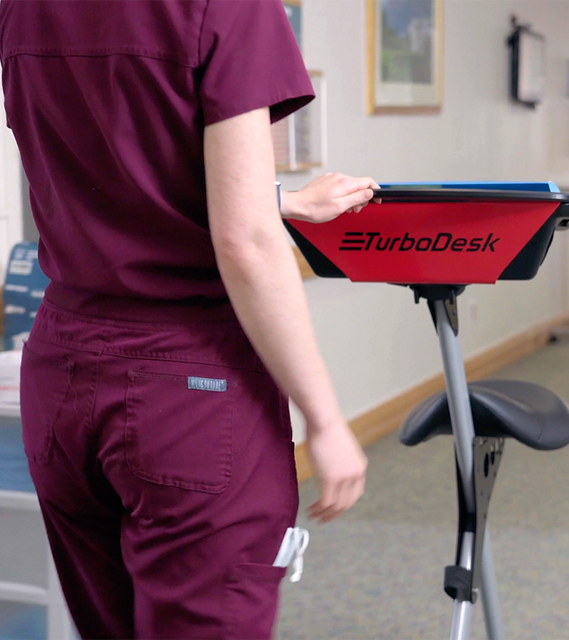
(248,251)
(237,244)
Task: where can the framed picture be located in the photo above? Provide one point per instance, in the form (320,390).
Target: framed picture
(300,139)
(293,10)
(405,54)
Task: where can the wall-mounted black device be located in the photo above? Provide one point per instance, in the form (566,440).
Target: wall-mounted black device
(527,65)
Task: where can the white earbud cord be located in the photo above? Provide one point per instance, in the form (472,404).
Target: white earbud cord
(301,538)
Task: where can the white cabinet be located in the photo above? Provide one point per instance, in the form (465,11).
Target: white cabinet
(31,602)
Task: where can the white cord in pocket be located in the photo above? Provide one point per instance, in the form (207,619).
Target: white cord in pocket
(302,538)
(294,543)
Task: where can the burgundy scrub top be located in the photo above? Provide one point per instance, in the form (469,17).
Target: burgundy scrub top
(108,100)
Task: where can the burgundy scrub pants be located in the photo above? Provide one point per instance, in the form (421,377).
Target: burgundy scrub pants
(163,460)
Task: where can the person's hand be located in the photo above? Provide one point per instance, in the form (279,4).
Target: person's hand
(327,197)
(340,465)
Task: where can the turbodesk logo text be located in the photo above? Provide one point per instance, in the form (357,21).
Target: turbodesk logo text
(374,241)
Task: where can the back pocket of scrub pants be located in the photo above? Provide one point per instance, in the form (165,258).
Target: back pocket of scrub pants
(251,599)
(179,428)
(45,383)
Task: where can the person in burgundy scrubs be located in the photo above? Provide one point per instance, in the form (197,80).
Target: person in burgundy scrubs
(155,382)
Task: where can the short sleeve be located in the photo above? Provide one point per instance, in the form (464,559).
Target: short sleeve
(250,60)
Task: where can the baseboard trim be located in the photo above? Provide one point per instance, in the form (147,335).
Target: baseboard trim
(388,416)
(305,269)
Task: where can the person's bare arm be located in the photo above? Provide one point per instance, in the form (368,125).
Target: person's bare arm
(260,273)
(327,197)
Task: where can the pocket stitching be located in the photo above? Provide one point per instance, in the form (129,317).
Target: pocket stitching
(237,572)
(57,363)
(172,481)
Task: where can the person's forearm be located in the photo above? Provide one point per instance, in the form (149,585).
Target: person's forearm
(265,287)
(289,204)
(263,281)
(257,264)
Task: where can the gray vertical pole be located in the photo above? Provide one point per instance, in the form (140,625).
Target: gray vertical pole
(462,609)
(458,402)
(489,593)
(463,431)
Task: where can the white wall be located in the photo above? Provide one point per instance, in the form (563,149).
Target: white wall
(374,340)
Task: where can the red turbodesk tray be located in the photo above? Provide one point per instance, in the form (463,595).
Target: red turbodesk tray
(436,236)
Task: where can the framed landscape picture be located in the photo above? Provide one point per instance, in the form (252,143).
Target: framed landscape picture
(405,54)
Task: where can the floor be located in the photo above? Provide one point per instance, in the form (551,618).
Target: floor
(378,571)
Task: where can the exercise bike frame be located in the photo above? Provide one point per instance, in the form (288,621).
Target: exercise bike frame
(477,461)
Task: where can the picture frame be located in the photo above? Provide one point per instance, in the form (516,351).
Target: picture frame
(405,56)
(293,9)
(300,140)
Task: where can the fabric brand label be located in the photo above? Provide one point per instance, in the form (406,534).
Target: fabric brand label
(207,384)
